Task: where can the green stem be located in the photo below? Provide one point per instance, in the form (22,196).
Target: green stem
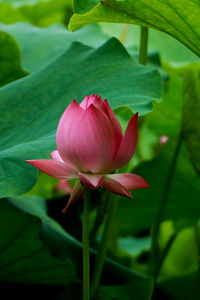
(158,266)
(163,203)
(143,45)
(85,240)
(197,237)
(106,237)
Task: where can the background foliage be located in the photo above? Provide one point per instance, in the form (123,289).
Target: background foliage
(43,67)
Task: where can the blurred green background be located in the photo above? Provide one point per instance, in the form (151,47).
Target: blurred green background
(40,249)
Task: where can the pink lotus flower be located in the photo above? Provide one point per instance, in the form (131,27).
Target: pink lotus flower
(90,147)
(163,139)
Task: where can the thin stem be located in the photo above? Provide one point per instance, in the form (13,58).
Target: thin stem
(197,237)
(158,266)
(144,32)
(163,204)
(85,240)
(106,238)
(124,33)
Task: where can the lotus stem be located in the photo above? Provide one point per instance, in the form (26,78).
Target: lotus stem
(163,203)
(144,32)
(164,253)
(103,247)
(85,240)
(197,237)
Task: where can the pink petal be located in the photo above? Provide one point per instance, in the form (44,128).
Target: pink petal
(115,124)
(128,144)
(95,100)
(54,168)
(56,156)
(93,142)
(76,194)
(115,187)
(129,181)
(85,103)
(67,133)
(92,181)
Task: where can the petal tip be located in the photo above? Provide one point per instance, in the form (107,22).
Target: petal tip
(129,195)
(31,162)
(64,210)
(135,117)
(147,185)
(74,102)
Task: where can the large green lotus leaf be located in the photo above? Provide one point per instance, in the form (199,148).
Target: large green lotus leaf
(170,49)
(82,7)
(22,236)
(33,106)
(45,187)
(41,46)
(191,113)
(24,257)
(170,16)
(10,59)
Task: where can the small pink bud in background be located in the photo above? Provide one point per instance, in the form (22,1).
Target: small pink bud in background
(90,146)
(163,139)
(64,186)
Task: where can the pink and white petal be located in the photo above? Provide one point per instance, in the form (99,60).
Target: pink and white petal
(54,168)
(95,100)
(56,156)
(98,103)
(94,144)
(85,103)
(129,181)
(115,123)
(76,195)
(128,144)
(66,133)
(92,181)
(115,187)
